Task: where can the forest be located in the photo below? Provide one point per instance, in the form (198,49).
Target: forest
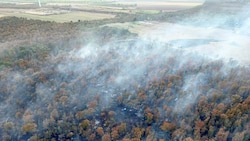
(86,81)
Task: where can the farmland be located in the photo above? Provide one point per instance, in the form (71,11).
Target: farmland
(66,11)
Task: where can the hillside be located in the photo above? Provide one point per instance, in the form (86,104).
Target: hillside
(88,80)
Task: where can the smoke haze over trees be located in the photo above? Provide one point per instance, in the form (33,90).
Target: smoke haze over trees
(82,81)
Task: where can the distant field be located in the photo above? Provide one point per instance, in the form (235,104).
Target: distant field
(161,5)
(67,17)
(47,0)
(59,11)
(66,10)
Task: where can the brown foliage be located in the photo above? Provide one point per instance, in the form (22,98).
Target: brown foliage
(135,139)
(29,128)
(188,139)
(106,137)
(222,135)
(149,117)
(137,132)
(100,131)
(93,104)
(28,116)
(64,100)
(54,114)
(33,138)
(84,124)
(114,134)
(111,113)
(92,137)
(80,115)
(178,134)
(122,128)
(141,96)
(199,124)
(8,126)
(167,126)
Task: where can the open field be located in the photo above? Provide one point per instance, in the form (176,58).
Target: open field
(225,44)
(49,13)
(65,11)
(59,12)
(62,17)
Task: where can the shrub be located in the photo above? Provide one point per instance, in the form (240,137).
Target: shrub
(91,137)
(99,131)
(29,128)
(54,114)
(122,128)
(167,126)
(149,118)
(8,126)
(84,124)
(137,132)
(106,137)
(114,134)
(222,135)
(238,136)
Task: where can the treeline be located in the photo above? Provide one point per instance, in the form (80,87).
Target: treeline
(34,31)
